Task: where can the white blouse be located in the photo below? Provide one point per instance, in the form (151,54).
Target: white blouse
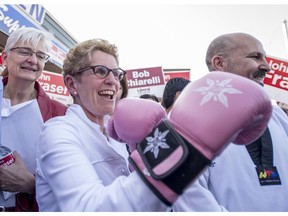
(79,169)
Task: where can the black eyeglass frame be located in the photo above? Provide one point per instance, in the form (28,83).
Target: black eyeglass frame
(31,52)
(102,77)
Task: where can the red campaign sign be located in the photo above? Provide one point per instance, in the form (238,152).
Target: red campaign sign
(53,83)
(145,77)
(57,52)
(278,76)
(172,74)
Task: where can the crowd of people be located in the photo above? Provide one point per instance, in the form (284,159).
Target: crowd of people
(221,149)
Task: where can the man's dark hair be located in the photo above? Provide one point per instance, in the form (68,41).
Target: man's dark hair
(124,85)
(172,87)
(150,96)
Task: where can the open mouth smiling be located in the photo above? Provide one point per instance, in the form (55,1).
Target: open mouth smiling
(259,76)
(107,93)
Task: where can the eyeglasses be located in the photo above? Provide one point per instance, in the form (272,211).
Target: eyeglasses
(102,72)
(27,52)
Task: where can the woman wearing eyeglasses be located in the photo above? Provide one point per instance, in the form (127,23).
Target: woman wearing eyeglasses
(25,108)
(79,167)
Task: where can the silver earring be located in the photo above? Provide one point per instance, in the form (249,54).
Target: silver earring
(75,93)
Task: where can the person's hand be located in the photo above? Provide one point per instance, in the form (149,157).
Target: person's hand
(16,177)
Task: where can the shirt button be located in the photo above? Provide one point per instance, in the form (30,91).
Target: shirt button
(122,171)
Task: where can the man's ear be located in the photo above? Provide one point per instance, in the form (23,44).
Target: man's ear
(219,63)
(177,94)
(71,84)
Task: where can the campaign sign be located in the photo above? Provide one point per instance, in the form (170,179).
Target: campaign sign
(276,81)
(145,81)
(54,86)
(170,73)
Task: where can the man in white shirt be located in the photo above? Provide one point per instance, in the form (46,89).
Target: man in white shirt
(243,178)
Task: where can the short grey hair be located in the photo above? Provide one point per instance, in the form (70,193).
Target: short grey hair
(29,35)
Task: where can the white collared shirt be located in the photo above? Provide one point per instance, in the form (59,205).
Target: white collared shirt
(78,169)
(20,128)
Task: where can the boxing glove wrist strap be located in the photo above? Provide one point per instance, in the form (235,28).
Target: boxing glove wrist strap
(167,162)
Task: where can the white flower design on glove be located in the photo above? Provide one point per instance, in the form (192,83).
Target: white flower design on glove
(156,142)
(216,91)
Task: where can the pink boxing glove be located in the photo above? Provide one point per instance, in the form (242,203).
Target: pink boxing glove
(236,110)
(133,119)
(209,114)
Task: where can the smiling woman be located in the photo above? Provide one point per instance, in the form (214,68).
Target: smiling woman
(89,77)
(25,106)
(80,138)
